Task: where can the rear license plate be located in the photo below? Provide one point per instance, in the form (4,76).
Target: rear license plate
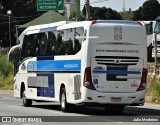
(116,99)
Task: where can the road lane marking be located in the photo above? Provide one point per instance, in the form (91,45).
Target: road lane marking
(120,122)
(108,120)
(57,112)
(12,106)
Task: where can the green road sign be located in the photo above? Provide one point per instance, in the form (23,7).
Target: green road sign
(46,5)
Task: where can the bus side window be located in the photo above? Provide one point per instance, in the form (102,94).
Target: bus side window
(78,39)
(42,45)
(51,43)
(28,47)
(72,39)
(64,42)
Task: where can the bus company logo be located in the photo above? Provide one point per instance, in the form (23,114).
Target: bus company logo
(117,61)
(23,66)
(6,119)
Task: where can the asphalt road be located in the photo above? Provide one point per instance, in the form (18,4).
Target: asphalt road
(10,106)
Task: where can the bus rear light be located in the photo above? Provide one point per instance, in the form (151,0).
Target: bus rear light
(88,79)
(140,23)
(143,80)
(94,21)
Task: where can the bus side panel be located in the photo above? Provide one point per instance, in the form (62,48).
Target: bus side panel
(17,87)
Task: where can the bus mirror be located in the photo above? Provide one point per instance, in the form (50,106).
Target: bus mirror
(151,28)
(18,42)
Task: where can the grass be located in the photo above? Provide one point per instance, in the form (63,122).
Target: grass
(6,83)
(156,91)
(6,73)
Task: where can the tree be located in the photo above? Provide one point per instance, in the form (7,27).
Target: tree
(102,13)
(1,7)
(148,11)
(73,15)
(19,8)
(127,15)
(112,14)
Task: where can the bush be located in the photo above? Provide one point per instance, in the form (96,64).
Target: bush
(156,89)
(6,67)
(6,73)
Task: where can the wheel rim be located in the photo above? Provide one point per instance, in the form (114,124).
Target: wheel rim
(24,95)
(63,99)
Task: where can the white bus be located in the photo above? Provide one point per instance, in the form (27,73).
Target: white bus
(90,62)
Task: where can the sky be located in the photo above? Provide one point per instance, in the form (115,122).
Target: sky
(117,4)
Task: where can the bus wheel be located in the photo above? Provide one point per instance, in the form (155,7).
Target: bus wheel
(26,102)
(114,109)
(64,105)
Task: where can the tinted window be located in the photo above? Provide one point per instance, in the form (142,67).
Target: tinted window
(30,44)
(62,42)
(65,42)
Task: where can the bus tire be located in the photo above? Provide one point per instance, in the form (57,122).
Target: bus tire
(26,102)
(114,109)
(65,107)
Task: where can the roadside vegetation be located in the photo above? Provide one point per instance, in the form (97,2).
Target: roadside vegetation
(156,91)
(6,73)
(153,83)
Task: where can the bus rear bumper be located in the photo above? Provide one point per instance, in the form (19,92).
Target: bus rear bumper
(136,98)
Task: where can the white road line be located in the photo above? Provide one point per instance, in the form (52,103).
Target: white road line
(107,120)
(12,106)
(120,122)
(57,112)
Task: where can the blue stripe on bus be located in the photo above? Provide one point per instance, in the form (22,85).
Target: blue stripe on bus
(45,58)
(116,72)
(48,29)
(55,65)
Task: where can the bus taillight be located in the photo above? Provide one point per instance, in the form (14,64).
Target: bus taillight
(88,79)
(140,23)
(94,21)
(143,80)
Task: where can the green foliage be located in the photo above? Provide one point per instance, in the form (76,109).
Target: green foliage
(127,15)
(6,73)
(148,11)
(1,7)
(19,8)
(156,90)
(6,83)
(73,15)
(6,67)
(102,13)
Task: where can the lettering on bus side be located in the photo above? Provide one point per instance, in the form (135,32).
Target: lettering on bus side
(71,66)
